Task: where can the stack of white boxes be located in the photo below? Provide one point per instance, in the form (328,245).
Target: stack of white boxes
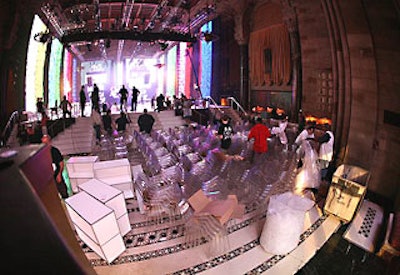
(80,170)
(116,173)
(96,225)
(111,197)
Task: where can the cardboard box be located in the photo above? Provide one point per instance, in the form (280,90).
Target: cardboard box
(222,210)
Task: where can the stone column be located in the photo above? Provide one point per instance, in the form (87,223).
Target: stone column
(242,38)
(290,21)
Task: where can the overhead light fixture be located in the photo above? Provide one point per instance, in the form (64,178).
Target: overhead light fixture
(208,37)
(163,46)
(108,43)
(42,37)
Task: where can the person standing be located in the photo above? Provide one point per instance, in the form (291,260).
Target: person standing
(97,121)
(66,107)
(135,95)
(306,134)
(39,105)
(325,155)
(280,132)
(122,121)
(259,133)
(107,122)
(95,97)
(145,122)
(187,109)
(301,120)
(123,93)
(225,133)
(82,100)
(58,161)
(160,102)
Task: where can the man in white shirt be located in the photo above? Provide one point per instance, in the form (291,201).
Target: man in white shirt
(306,134)
(325,155)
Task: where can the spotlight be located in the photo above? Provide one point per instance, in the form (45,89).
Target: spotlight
(163,46)
(42,37)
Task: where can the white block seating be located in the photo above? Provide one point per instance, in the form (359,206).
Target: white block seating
(80,170)
(111,197)
(96,225)
(116,173)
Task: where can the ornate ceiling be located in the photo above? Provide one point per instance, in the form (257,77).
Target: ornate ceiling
(117,29)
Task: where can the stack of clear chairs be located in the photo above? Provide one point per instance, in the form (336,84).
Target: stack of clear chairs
(200,228)
(189,159)
(215,187)
(247,150)
(182,150)
(161,197)
(120,148)
(167,160)
(107,148)
(161,151)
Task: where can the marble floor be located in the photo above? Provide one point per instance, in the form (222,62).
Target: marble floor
(162,247)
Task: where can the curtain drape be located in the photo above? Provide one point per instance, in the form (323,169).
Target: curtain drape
(275,38)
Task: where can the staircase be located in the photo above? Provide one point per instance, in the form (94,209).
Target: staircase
(167,119)
(163,120)
(77,139)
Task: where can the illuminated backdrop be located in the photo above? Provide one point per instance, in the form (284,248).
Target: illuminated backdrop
(55,72)
(206,62)
(35,66)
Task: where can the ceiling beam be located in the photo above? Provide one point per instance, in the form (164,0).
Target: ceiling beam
(127,35)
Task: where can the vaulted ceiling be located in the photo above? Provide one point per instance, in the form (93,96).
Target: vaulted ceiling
(118,29)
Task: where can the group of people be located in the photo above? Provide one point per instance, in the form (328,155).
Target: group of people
(104,121)
(315,153)
(95,98)
(259,134)
(123,93)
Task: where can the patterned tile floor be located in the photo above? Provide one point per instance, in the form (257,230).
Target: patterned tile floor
(162,248)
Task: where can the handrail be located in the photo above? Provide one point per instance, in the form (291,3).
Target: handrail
(215,103)
(201,116)
(50,129)
(237,104)
(5,135)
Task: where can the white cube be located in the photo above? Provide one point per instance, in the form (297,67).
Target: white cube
(81,167)
(109,251)
(80,170)
(111,197)
(75,182)
(96,225)
(124,224)
(116,173)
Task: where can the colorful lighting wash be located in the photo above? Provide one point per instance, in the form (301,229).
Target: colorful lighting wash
(67,71)
(161,76)
(171,71)
(55,72)
(75,71)
(189,71)
(182,68)
(205,73)
(35,66)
